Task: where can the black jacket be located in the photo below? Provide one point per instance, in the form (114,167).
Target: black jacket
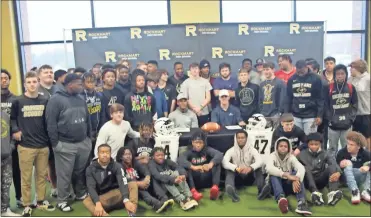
(247,99)
(162,172)
(296,135)
(363,157)
(100,180)
(136,172)
(317,162)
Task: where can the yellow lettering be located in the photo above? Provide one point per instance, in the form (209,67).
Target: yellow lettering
(268,51)
(164,54)
(294,27)
(135,32)
(191,30)
(217,52)
(80,35)
(110,56)
(243,29)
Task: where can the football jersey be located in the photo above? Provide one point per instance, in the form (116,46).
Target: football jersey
(170,143)
(261,140)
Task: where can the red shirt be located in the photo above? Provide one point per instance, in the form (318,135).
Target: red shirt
(283,75)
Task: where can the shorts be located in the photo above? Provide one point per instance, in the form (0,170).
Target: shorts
(362,125)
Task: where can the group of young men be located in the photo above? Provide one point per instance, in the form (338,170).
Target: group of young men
(62,126)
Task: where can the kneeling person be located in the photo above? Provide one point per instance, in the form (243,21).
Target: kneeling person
(243,161)
(321,170)
(286,175)
(107,186)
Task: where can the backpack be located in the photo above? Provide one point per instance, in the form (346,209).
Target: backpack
(350,87)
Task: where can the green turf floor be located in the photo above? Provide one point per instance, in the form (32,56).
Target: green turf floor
(248,206)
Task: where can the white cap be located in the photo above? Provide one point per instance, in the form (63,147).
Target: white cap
(223,92)
(181,96)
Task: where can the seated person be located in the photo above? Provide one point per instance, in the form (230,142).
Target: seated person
(114,132)
(289,130)
(139,173)
(321,170)
(142,147)
(286,176)
(203,166)
(353,159)
(172,177)
(243,161)
(108,191)
(226,114)
(182,116)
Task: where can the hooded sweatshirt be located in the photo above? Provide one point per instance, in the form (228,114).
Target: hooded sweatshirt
(136,171)
(6,147)
(304,96)
(295,136)
(141,148)
(276,166)
(206,155)
(125,86)
(342,105)
(247,99)
(362,84)
(7,99)
(67,118)
(358,161)
(317,162)
(96,110)
(272,95)
(100,180)
(163,172)
(140,107)
(47,92)
(112,96)
(242,157)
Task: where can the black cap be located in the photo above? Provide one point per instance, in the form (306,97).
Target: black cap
(70,78)
(314,137)
(58,74)
(259,61)
(204,63)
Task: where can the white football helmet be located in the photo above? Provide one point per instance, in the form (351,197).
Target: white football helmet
(164,126)
(256,122)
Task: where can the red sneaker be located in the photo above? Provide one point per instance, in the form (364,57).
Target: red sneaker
(283,204)
(214,192)
(196,195)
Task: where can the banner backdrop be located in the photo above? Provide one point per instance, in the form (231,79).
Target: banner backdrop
(217,43)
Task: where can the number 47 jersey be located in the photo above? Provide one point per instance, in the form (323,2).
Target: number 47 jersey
(261,140)
(170,143)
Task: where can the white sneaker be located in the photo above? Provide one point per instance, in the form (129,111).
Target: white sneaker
(356,197)
(366,195)
(8,212)
(317,198)
(334,197)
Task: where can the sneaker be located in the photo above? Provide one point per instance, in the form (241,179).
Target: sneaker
(366,195)
(45,205)
(186,204)
(334,197)
(82,197)
(54,193)
(232,193)
(131,214)
(214,192)
(27,211)
(317,198)
(193,203)
(283,204)
(19,203)
(8,212)
(165,205)
(196,195)
(303,208)
(356,198)
(64,207)
(264,192)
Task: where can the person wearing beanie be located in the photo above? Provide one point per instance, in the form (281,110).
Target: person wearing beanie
(354,160)
(69,131)
(321,170)
(341,102)
(259,68)
(203,164)
(59,77)
(286,175)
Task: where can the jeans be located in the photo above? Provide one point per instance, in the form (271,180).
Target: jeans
(334,136)
(306,124)
(179,191)
(355,177)
(282,187)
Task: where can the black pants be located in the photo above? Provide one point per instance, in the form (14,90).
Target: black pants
(200,180)
(362,124)
(233,178)
(314,182)
(16,175)
(323,129)
(203,119)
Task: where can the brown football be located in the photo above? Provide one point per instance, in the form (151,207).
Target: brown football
(211,127)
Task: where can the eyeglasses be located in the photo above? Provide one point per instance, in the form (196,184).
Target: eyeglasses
(224,96)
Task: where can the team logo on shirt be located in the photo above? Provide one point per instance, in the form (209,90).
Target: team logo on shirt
(268,88)
(246,96)
(302,89)
(33,110)
(4,128)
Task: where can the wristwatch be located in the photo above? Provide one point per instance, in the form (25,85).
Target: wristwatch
(126,200)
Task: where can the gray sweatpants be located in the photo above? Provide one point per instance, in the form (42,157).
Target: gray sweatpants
(334,136)
(179,191)
(71,160)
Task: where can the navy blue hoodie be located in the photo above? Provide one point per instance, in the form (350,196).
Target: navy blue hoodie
(95,109)
(247,99)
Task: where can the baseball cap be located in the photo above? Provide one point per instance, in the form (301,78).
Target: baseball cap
(204,63)
(181,96)
(259,61)
(70,78)
(223,92)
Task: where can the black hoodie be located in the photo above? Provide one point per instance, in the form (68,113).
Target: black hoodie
(305,96)
(125,86)
(295,136)
(140,148)
(67,118)
(317,162)
(247,99)
(112,96)
(162,172)
(341,104)
(96,110)
(363,157)
(139,107)
(101,180)
(205,156)
(136,172)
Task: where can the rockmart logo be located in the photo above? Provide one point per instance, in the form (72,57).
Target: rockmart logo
(112,56)
(137,33)
(311,29)
(270,51)
(82,35)
(218,52)
(266,29)
(167,54)
(296,28)
(192,30)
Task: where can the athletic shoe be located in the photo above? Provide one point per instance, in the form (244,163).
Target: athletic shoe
(187,204)
(334,197)
(265,192)
(131,214)
(366,195)
(82,197)
(54,193)
(8,212)
(317,198)
(45,205)
(64,207)
(356,198)
(165,205)
(214,192)
(232,193)
(196,195)
(19,203)
(193,203)
(303,208)
(27,211)
(283,204)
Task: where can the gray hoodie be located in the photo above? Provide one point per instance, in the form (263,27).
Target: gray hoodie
(237,157)
(362,85)
(6,147)
(277,167)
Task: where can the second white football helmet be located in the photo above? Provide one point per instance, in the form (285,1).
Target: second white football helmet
(164,126)
(256,122)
